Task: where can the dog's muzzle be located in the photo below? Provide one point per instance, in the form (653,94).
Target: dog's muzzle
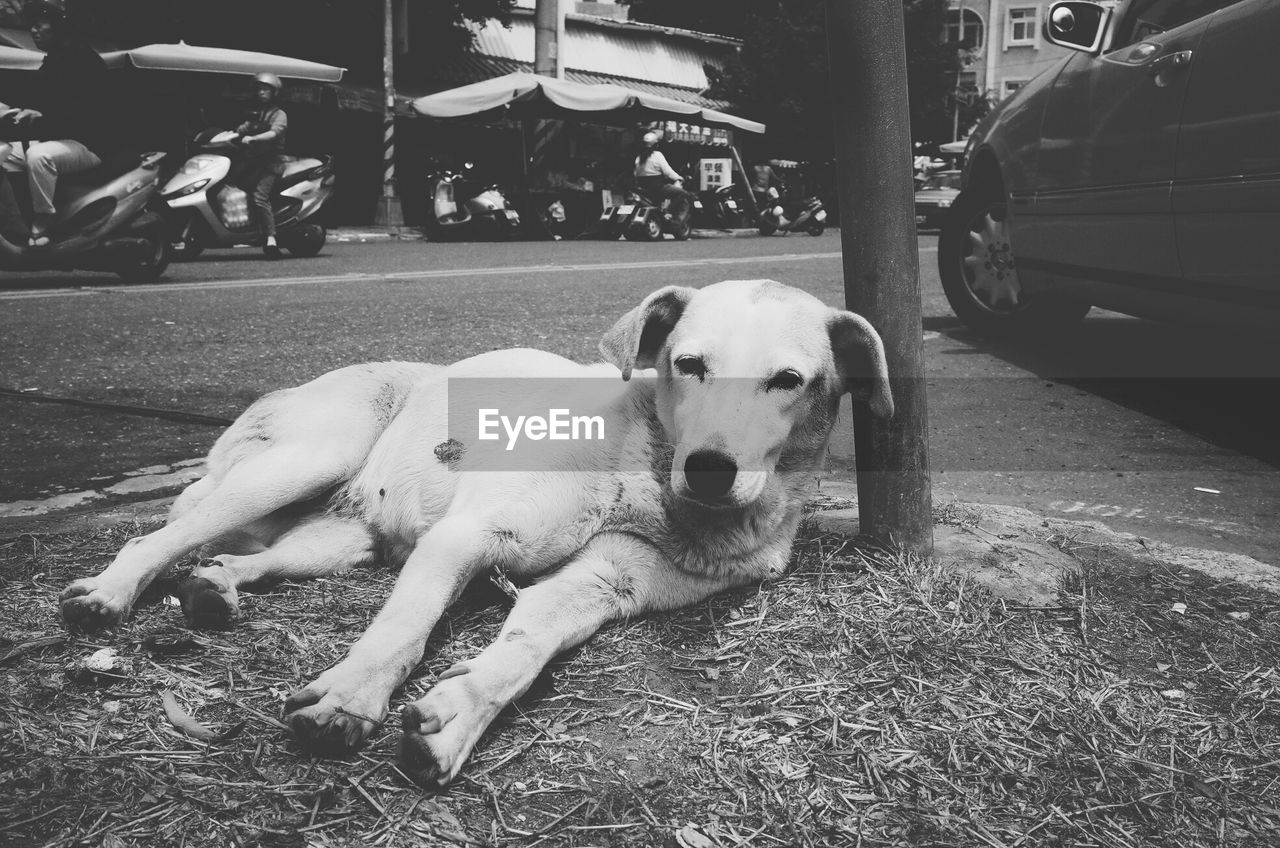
(710,474)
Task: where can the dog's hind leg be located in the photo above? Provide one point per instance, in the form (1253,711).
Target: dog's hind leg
(247,491)
(317,546)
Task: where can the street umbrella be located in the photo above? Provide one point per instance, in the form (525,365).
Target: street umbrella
(17,59)
(222,60)
(531,95)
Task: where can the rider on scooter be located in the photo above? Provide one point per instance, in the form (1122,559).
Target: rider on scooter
(71,116)
(263,132)
(656,178)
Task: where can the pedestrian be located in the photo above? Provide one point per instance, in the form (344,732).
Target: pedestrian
(263,131)
(70,125)
(656,178)
(763,179)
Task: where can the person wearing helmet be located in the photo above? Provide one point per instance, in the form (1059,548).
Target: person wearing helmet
(656,178)
(262,131)
(69,125)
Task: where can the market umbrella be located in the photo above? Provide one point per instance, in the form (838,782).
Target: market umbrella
(17,59)
(222,60)
(539,96)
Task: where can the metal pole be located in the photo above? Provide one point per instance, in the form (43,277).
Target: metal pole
(388,213)
(867,50)
(546,31)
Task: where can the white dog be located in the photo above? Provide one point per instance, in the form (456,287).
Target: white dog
(699,488)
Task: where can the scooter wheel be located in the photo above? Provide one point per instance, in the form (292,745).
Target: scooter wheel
(150,268)
(186,251)
(817,229)
(307,240)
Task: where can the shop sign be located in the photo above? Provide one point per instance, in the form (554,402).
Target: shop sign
(694,134)
(714,173)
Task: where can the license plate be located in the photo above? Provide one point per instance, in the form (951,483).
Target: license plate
(697,204)
(626,210)
(821,215)
(730,204)
(512,215)
(920,219)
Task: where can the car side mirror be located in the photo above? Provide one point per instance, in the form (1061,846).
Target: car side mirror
(1077,25)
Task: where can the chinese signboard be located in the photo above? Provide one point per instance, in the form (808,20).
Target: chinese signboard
(714,173)
(694,134)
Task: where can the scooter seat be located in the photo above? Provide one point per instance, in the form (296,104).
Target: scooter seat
(116,164)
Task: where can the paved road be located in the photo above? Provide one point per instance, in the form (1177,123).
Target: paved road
(1126,422)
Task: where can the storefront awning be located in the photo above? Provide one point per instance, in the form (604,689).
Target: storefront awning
(530,95)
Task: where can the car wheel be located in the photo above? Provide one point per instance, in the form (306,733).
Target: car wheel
(980,275)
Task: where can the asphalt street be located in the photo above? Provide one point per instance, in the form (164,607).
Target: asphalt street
(1155,430)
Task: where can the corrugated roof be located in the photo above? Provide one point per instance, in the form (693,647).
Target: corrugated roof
(618,50)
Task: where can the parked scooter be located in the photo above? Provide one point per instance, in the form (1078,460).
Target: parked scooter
(721,207)
(459,215)
(802,214)
(204,209)
(102,222)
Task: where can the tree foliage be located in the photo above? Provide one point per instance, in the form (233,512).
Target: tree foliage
(781,75)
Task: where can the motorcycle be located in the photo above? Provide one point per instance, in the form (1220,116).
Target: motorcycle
(641,218)
(102,223)
(720,207)
(802,214)
(485,215)
(205,209)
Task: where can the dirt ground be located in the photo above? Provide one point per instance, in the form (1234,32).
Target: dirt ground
(865,699)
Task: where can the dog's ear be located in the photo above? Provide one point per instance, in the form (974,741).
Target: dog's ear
(859,355)
(635,340)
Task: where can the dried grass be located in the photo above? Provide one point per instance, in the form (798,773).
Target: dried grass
(865,699)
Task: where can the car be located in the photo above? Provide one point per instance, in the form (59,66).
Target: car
(1141,174)
(934,197)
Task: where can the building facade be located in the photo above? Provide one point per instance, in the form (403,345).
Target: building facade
(1002,45)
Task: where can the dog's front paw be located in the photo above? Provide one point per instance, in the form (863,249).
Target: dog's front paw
(90,604)
(441,728)
(335,714)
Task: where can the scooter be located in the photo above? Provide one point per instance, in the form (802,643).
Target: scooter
(719,207)
(102,222)
(642,218)
(205,210)
(485,215)
(807,215)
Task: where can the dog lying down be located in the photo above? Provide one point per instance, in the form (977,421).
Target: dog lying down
(698,489)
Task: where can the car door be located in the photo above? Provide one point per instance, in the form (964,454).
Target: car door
(1226,194)
(1101,208)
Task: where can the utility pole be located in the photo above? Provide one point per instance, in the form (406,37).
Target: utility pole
(388,213)
(867,49)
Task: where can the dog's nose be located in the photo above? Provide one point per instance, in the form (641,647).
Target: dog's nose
(710,473)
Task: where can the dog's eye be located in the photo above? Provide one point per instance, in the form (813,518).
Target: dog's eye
(691,366)
(784,381)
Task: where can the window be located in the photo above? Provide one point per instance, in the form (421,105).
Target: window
(1020,27)
(1008,87)
(1145,18)
(965,29)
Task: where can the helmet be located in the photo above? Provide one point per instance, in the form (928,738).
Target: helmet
(650,138)
(268,78)
(50,10)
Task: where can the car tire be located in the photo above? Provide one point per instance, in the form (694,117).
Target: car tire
(980,276)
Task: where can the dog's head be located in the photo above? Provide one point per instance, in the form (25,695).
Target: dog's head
(750,374)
